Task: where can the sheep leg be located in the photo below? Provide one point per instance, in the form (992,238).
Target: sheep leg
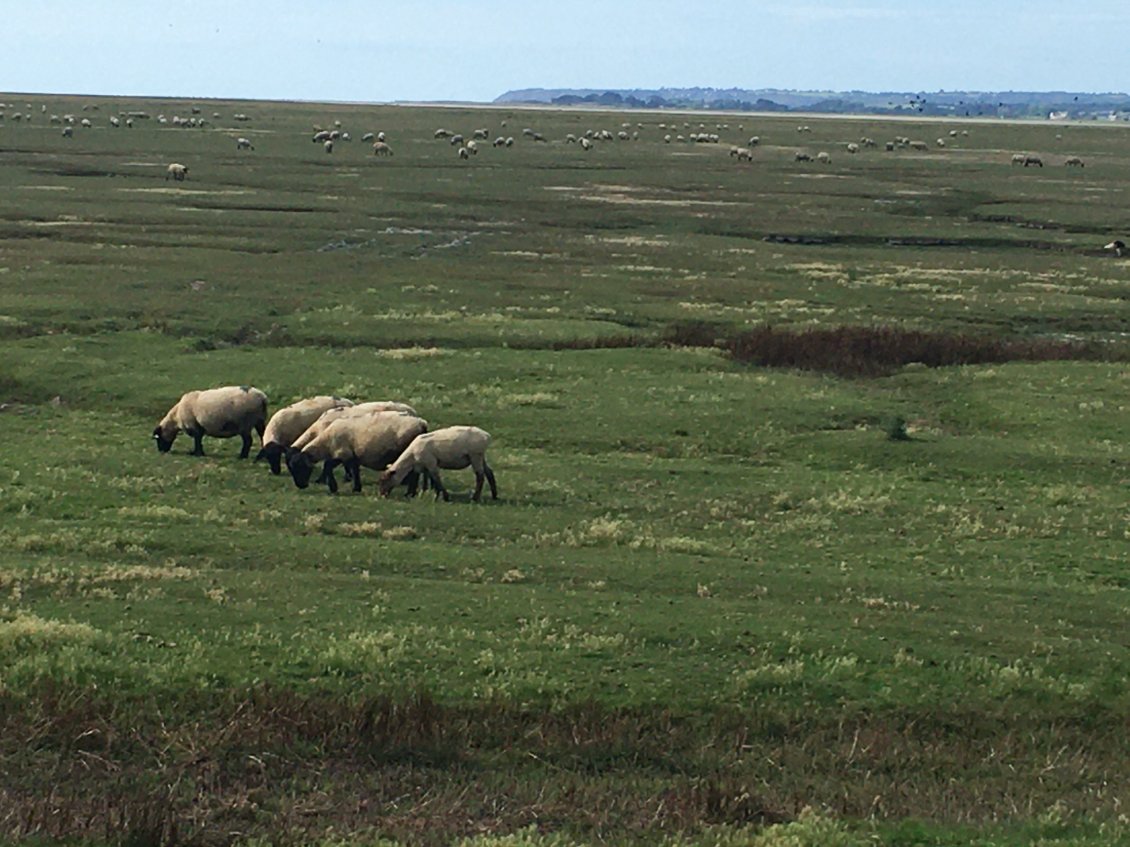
(437,484)
(479,477)
(246,451)
(328,475)
(353,467)
(411,484)
(490,478)
(197,443)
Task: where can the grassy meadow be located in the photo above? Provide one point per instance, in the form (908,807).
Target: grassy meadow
(717,602)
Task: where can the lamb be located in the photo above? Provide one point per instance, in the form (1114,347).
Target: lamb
(370,441)
(451,448)
(290,422)
(381,149)
(216,412)
(244,144)
(176,171)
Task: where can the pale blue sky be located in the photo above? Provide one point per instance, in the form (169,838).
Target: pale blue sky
(476,49)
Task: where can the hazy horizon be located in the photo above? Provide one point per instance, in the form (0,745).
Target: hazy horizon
(457,50)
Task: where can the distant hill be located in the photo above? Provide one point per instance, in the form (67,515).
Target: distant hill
(1005,104)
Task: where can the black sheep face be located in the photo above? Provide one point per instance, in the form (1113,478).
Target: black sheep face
(164,445)
(301,469)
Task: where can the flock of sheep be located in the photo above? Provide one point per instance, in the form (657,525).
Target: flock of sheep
(384,436)
(468,146)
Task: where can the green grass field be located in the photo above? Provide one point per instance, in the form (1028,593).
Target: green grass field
(716,603)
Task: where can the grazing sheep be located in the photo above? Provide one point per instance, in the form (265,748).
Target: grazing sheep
(801,156)
(328,145)
(129,123)
(823,158)
(456,140)
(889,146)
(114,122)
(852,147)
(381,149)
(1018,158)
(498,142)
(1073,162)
(290,422)
(941,142)
(371,441)
(472,148)
(368,136)
(321,135)
(381,136)
(743,154)
(570,139)
(451,448)
(510,141)
(216,412)
(918,145)
(586,144)
(244,144)
(68,132)
(85,123)
(667,138)
(177,171)
(1116,247)
(1033,160)
(484,134)
(754,140)
(442,133)
(464,153)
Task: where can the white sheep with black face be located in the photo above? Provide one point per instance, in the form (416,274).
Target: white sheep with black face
(176,171)
(215,412)
(289,423)
(369,441)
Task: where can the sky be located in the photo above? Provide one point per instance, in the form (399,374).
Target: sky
(474,50)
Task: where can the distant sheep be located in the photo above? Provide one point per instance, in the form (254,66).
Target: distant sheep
(368,136)
(498,142)
(852,147)
(320,136)
(381,149)
(68,132)
(371,441)
(464,153)
(456,140)
(1073,162)
(1033,161)
(801,156)
(1116,247)
(586,144)
(216,412)
(244,144)
(177,171)
(451,448)
(823,158)
(1018,158)
(114,122)
(328,145)
(754,140)
(289,423)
